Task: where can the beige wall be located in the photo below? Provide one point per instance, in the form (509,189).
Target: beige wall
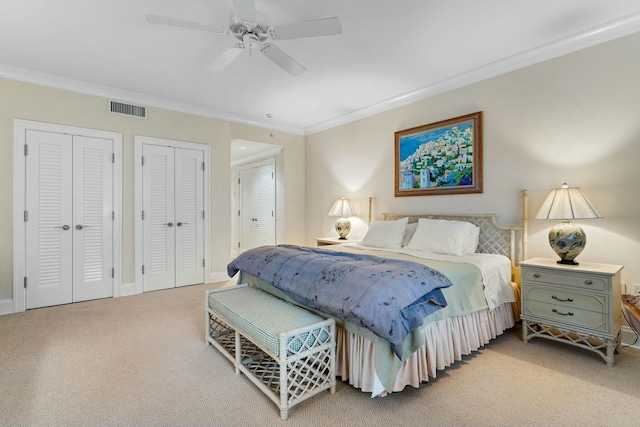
(37,103)
(573,118)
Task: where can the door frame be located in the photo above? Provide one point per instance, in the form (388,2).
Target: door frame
(139,141)
(20,128)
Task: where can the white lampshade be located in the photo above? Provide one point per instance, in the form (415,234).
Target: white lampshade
(567,239)
(567,203)
(342,208)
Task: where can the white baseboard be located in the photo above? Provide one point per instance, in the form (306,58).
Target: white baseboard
(127,289)
(6,306)
(218,276)
(628,337)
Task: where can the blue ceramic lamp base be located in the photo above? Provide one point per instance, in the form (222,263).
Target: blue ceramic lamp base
(567,240)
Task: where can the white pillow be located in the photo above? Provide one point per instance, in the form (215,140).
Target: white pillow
(473,239)
(408,233)
(445,237)
(385,234)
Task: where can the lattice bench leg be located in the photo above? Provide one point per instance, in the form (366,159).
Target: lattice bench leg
(306,368)
(238,353)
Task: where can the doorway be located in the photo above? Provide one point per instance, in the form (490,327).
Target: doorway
(245,155)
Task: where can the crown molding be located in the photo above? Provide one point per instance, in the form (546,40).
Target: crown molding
(581,40)
(57,82)
(602,33)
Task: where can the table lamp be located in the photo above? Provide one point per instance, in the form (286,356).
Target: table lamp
(567,239)
(342,209)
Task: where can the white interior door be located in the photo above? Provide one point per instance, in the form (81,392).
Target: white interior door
(69,218)
(257,206)
(92,218)
(49,216)
(189,215)
(173,223)
(248,209)
(158,217)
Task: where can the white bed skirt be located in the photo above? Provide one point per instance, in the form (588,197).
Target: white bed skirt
(446,341)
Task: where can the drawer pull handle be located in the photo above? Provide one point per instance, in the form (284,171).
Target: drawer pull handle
(562,300)
(562,314)
(588,282)
(536,275)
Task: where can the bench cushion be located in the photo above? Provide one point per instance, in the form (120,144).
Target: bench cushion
(261,317)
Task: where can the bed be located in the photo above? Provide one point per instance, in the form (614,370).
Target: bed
(476,311)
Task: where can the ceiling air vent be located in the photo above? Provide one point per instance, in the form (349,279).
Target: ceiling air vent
(128,109)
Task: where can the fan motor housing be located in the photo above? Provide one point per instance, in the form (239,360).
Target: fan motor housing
(259,29)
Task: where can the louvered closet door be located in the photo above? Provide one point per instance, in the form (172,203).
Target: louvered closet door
(189,227)
(49,240)
(158,225)
(69,229)
(248,210)
(257,210)
(92,226)
(265,206)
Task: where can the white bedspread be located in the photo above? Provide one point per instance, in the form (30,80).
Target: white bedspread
(495,270)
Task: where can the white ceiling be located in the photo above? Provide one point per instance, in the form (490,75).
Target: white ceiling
(389,53)
(243,151)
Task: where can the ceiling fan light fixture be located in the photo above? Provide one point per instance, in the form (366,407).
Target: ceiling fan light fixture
(251,41)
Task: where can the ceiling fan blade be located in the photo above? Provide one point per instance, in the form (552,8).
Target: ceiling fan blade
(226,57)
(245,9)
(174,22)
(282,60)
(313,28)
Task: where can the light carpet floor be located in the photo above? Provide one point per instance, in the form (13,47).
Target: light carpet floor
(142,361)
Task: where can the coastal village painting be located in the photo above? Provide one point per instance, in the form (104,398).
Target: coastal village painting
(440,158)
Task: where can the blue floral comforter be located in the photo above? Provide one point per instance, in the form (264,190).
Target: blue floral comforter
(389,297)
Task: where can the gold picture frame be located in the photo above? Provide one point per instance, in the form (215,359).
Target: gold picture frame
(440,158)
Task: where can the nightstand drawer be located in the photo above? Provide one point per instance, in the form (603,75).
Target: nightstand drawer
(571,300)
(557,314)
(586,282)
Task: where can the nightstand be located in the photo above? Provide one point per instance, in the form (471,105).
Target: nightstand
(325,241)
(579,305)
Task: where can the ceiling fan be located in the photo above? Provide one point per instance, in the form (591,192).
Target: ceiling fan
(253,31)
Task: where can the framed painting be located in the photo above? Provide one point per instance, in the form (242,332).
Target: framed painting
(440,158)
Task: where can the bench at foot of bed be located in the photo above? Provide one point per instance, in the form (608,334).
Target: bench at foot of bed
(286,351)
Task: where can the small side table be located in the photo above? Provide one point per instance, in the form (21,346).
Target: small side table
(326,241)
(579,305)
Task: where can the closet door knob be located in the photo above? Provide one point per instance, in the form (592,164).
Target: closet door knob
(64,227)
(180,224)
(169,224)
